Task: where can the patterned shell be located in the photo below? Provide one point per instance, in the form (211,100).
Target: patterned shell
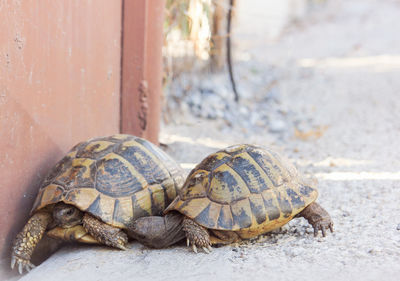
(243,187)
(116,178)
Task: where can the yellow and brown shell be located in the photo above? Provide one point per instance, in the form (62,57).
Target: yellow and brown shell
(116,178)
(243,188)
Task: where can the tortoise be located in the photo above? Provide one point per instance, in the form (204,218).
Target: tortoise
(236,193)
(96,190)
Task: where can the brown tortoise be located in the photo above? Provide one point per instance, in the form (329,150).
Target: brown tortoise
(236,193)
(96,190)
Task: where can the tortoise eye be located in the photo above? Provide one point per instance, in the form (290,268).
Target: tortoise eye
(70,212)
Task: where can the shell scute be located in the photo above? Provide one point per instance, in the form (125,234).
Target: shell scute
(284,204)
(226,185)
(275,172)
(78,172)
(95,149)
(241,213)
(251,173)
(209,215)
(225,219)
(295,199)
(150,168)
(195,187)
(271,205)
(116,177)
(258,208)
(82,197)
(192,208)
(213,161)
(123,211)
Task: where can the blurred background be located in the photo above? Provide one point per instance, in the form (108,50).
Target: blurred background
(197,78)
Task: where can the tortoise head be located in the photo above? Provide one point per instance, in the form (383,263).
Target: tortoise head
(66,215)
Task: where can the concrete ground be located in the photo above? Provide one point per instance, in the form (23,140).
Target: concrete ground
(339,70)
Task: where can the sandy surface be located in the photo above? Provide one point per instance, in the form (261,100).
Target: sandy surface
(339,72)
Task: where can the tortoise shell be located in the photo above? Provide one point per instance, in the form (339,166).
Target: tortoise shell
(116,178)
(243,188)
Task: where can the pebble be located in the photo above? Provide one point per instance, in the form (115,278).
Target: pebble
(345,214)
(398,227)
(277,126)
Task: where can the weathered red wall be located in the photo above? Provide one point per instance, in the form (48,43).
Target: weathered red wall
(141,67)
(59,84)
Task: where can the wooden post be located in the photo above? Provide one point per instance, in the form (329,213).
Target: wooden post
(218,39)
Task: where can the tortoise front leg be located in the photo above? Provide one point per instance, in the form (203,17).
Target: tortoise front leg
(318,217)
(104,233)
(26,241)
(196,235)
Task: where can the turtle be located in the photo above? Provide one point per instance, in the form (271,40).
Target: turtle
(96,190)
(237,193)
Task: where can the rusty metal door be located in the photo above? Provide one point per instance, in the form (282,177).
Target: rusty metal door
(59,84)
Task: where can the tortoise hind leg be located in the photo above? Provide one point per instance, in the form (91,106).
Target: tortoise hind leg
(318,217)
(26,241)
(104,233)
(196,235)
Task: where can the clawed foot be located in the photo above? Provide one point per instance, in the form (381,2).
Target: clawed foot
(206,247)
(318,217)
(119,241)
(323,226)
(26,241)
(21,263)
(196,236)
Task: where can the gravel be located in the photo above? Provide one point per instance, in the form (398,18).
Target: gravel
(326,96)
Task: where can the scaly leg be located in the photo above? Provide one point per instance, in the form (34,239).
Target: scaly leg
(26,241)
(318,218)
(104,233)
(196,235)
